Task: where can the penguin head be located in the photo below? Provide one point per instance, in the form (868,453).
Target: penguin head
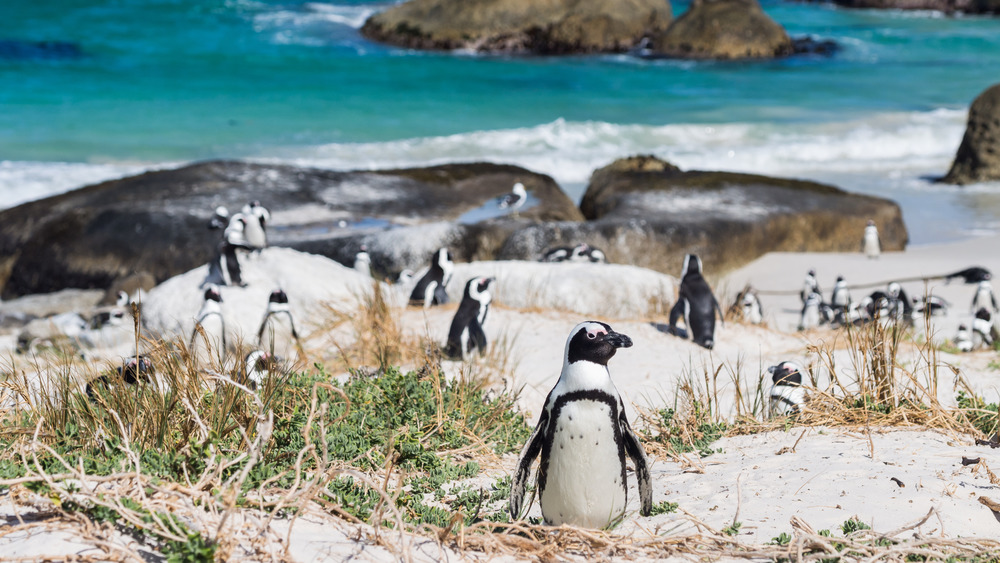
(221,211)
(984,284)
(122,299)
(894,290)
(840,279)
(597,255)
(871,223)
(278,296)
(786,373)
(594,341)
(812,273)
(405,277)
(479,289)
(443,258)
(212,293)
(692,265)
(135,368)
(983,314)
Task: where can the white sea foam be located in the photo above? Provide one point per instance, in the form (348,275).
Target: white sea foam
(26,181)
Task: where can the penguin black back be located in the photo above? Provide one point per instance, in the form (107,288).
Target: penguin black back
(466,333)
(431,289)
(696,303)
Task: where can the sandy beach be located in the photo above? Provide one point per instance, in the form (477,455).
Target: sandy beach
(907,480)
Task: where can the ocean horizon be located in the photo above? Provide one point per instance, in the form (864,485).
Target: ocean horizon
(160,84)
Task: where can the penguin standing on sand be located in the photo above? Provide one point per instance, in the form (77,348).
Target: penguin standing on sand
(747,306)
(277,335)
(696,304)
(984,298)
(840,298)
(787,395)
(514,200)
(208,339)
(810,286)
(466,332)
(870,243)
(583,437)
(812,312)
(984,332)
(431,289)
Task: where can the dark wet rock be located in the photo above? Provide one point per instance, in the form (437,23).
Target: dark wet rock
(978,157)
(947,6)
(723,29)
(647,212)
(155,225)
(17,50)
(520,26)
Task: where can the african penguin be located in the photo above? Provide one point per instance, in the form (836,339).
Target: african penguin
(787,394)
(811,316)
(583,437)
(931,305)
(515,199)
(405,277)
(840,298)
(219,220)
(963,341)
(466,333)
(984,332)
(208,339)
(870,243)
(277,335)
(696,303)
(255,227)
(597,256)
(258,366)
(984,298)
(131,372)
(810,286)
(900,307)
(431,289)
(974,274)
(748,306)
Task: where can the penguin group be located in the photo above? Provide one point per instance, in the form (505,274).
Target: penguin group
(243,234)
(581,252)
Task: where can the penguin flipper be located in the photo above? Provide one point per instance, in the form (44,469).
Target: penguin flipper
(531,450)
(477,338)
(675,313)
(440,295)
(718,309)
(634,449)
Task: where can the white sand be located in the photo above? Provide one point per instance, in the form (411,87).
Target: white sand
(832,475)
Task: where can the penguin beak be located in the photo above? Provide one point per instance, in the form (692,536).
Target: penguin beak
(772,369)
(618,340)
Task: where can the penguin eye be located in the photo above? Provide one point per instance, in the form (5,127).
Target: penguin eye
(591,335)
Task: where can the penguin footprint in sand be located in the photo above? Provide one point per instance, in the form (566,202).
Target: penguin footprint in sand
(583,437)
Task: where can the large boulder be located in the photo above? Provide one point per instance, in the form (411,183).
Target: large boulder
(647,212)
(536,26)
(723,29)
(155,224)
(978,157)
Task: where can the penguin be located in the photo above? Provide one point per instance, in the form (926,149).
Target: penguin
(597,256)
(405,277)
(974,274)
(514,200)
(696,304)
(870,243)
(581,253)
(787,395)
(466,333)
(811,316)
(900,307)
(255,226)
(133,370)
(258,366)
(984,332)
(277,335)
(984,298)
(235,233)
(363,262)
(841,295)
(931,305)
(557,254)
(810,286)
(431,289)
(219,220)
(963,341)
(876,306)
(208,339)
(582,438)
(747,307)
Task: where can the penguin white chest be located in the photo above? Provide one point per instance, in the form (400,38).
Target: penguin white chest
(584,482)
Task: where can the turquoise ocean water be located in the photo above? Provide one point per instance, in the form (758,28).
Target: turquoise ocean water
(162,82)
